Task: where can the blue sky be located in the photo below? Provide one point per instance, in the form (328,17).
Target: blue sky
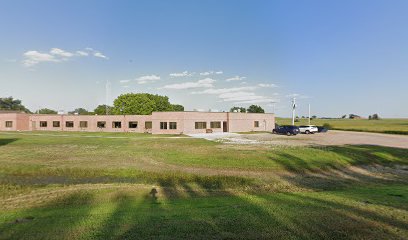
(340,56)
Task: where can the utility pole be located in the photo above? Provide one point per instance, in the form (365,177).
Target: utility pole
(108,97)
(293,110)
(273,107)
(309,113)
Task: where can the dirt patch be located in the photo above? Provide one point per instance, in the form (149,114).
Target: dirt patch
(330,138)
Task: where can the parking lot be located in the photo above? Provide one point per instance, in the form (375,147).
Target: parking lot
(323,139)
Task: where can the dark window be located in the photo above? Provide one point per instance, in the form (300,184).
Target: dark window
(56,124)
(9,124)
(132,124)
(200,125)
(256,124)
(148,125)
(172,125)
(69,124)
(116,124)
(83,124)
(215,124)
(101,124)
(43,124)
(163,125)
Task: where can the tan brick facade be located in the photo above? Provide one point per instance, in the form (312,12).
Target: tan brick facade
(157,123)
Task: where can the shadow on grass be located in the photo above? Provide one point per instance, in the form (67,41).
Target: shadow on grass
(5,141)
(375,164)
(205,216)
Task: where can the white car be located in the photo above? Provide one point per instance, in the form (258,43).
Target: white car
(308,129)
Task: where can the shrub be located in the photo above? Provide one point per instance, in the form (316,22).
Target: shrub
(327,126)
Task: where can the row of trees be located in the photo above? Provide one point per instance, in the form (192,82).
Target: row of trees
(129,104)
(250,109)
(375,116)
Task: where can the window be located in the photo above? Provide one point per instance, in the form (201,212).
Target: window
(116,124)
(83,124)
(215,124)
(132,124)
(172,125)
(56,124)
(69,124)
(163,125)
(101,124)
(43,124)
(200,125)
(256,124)
(9,124)
(148,125)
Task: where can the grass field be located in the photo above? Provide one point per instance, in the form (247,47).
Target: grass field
(393,126)
(96,186)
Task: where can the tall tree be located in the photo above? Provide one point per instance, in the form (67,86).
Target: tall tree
(9,103)
(255,109)
(47,111)
(133,104)
(101,109)
(238,109)
(81,111)
(177,107)
(161,103)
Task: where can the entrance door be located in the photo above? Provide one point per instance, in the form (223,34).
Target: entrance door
(34,125)
(224,126)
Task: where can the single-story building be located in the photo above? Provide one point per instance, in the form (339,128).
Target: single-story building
(156,123)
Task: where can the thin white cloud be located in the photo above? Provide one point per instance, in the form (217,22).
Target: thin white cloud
(60,52)
(236,78)
(124,81)
(82,53)
(211,73)
(224,90)
(243,97)
(267,85)
(100,55)
(296,95)
(203,83)
(147,79)
(181,74)
(33,57)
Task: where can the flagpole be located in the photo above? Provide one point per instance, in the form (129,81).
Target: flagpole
(293,110)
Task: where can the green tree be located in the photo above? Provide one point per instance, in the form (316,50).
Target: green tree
(238,109)
(46,111)
(177,107)
(375,117)
(101,109)
(133,104)
(255,109)
(161,103)
(81,111)
(11,104)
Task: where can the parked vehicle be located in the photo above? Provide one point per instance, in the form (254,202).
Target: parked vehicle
(308,129)
(287,129)
(322,129)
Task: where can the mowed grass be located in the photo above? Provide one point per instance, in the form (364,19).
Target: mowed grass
(96,186)
(361,213)
(392,126)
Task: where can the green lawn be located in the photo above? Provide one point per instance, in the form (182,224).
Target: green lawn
(96,186)
(393,126)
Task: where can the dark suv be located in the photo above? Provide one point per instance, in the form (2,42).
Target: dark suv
(287,129)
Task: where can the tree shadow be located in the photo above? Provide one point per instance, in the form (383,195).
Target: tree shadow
(57,218)
(6,141)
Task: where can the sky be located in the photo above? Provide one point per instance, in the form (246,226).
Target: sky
(340,57)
